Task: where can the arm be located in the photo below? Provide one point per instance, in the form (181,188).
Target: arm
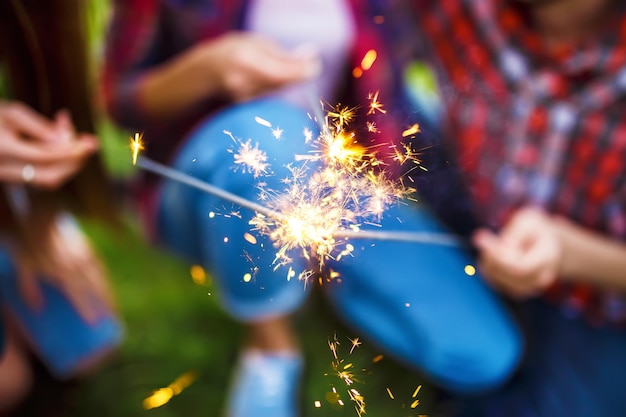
(234,66)
(534,249)
(237,66)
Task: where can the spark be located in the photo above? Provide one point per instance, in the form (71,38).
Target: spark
(359,401)
(368,59)
(346,373)
(136,145)
(277,133)
(251,158)
(249,238)
(262,122)
(406,154)
(198,275)
(375,105)
(162,396)
(371,127)
(411,130)
(355,343)
(341,115)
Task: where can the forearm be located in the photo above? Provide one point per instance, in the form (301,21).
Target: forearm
(174,87)
(592,258)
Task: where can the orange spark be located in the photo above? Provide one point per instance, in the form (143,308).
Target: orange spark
(162,396)
(411,130)
(368,59)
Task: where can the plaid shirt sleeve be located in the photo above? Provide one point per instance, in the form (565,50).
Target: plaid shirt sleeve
(131,37)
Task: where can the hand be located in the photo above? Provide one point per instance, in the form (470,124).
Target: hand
(65,259)
(526,257)
(50,148)
(246,65)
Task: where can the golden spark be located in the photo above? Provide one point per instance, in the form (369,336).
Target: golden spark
(375,105)
(136,145)
(411,130)
(341,115)
(371,127)
(355,343)
(406,154)
(369,59)
(162,396)
(346,373)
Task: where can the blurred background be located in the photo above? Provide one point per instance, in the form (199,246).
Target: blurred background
(180,347)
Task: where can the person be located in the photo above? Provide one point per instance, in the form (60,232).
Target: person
(186,72)
(53,291)
(532,94)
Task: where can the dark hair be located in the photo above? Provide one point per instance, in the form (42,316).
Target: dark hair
(44,51)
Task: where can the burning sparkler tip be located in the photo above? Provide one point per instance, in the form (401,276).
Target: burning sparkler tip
(136,145)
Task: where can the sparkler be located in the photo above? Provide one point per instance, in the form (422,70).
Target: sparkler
(319,211)
(164,171)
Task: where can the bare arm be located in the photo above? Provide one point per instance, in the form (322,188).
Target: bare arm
(237,66)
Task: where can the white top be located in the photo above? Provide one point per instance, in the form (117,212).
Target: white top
(326,26)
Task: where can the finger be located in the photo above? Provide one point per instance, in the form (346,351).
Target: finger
(22,152)
(25,121)
(523,226)
(64,125)
(50,170)
(47,177)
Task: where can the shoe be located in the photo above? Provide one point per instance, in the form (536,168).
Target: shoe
(265,385)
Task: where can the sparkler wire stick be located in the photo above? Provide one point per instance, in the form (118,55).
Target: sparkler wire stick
(444,239)
(172,174)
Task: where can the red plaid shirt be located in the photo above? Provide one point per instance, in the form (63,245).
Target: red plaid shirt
(535,126)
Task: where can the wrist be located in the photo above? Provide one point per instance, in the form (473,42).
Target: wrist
(568,236)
